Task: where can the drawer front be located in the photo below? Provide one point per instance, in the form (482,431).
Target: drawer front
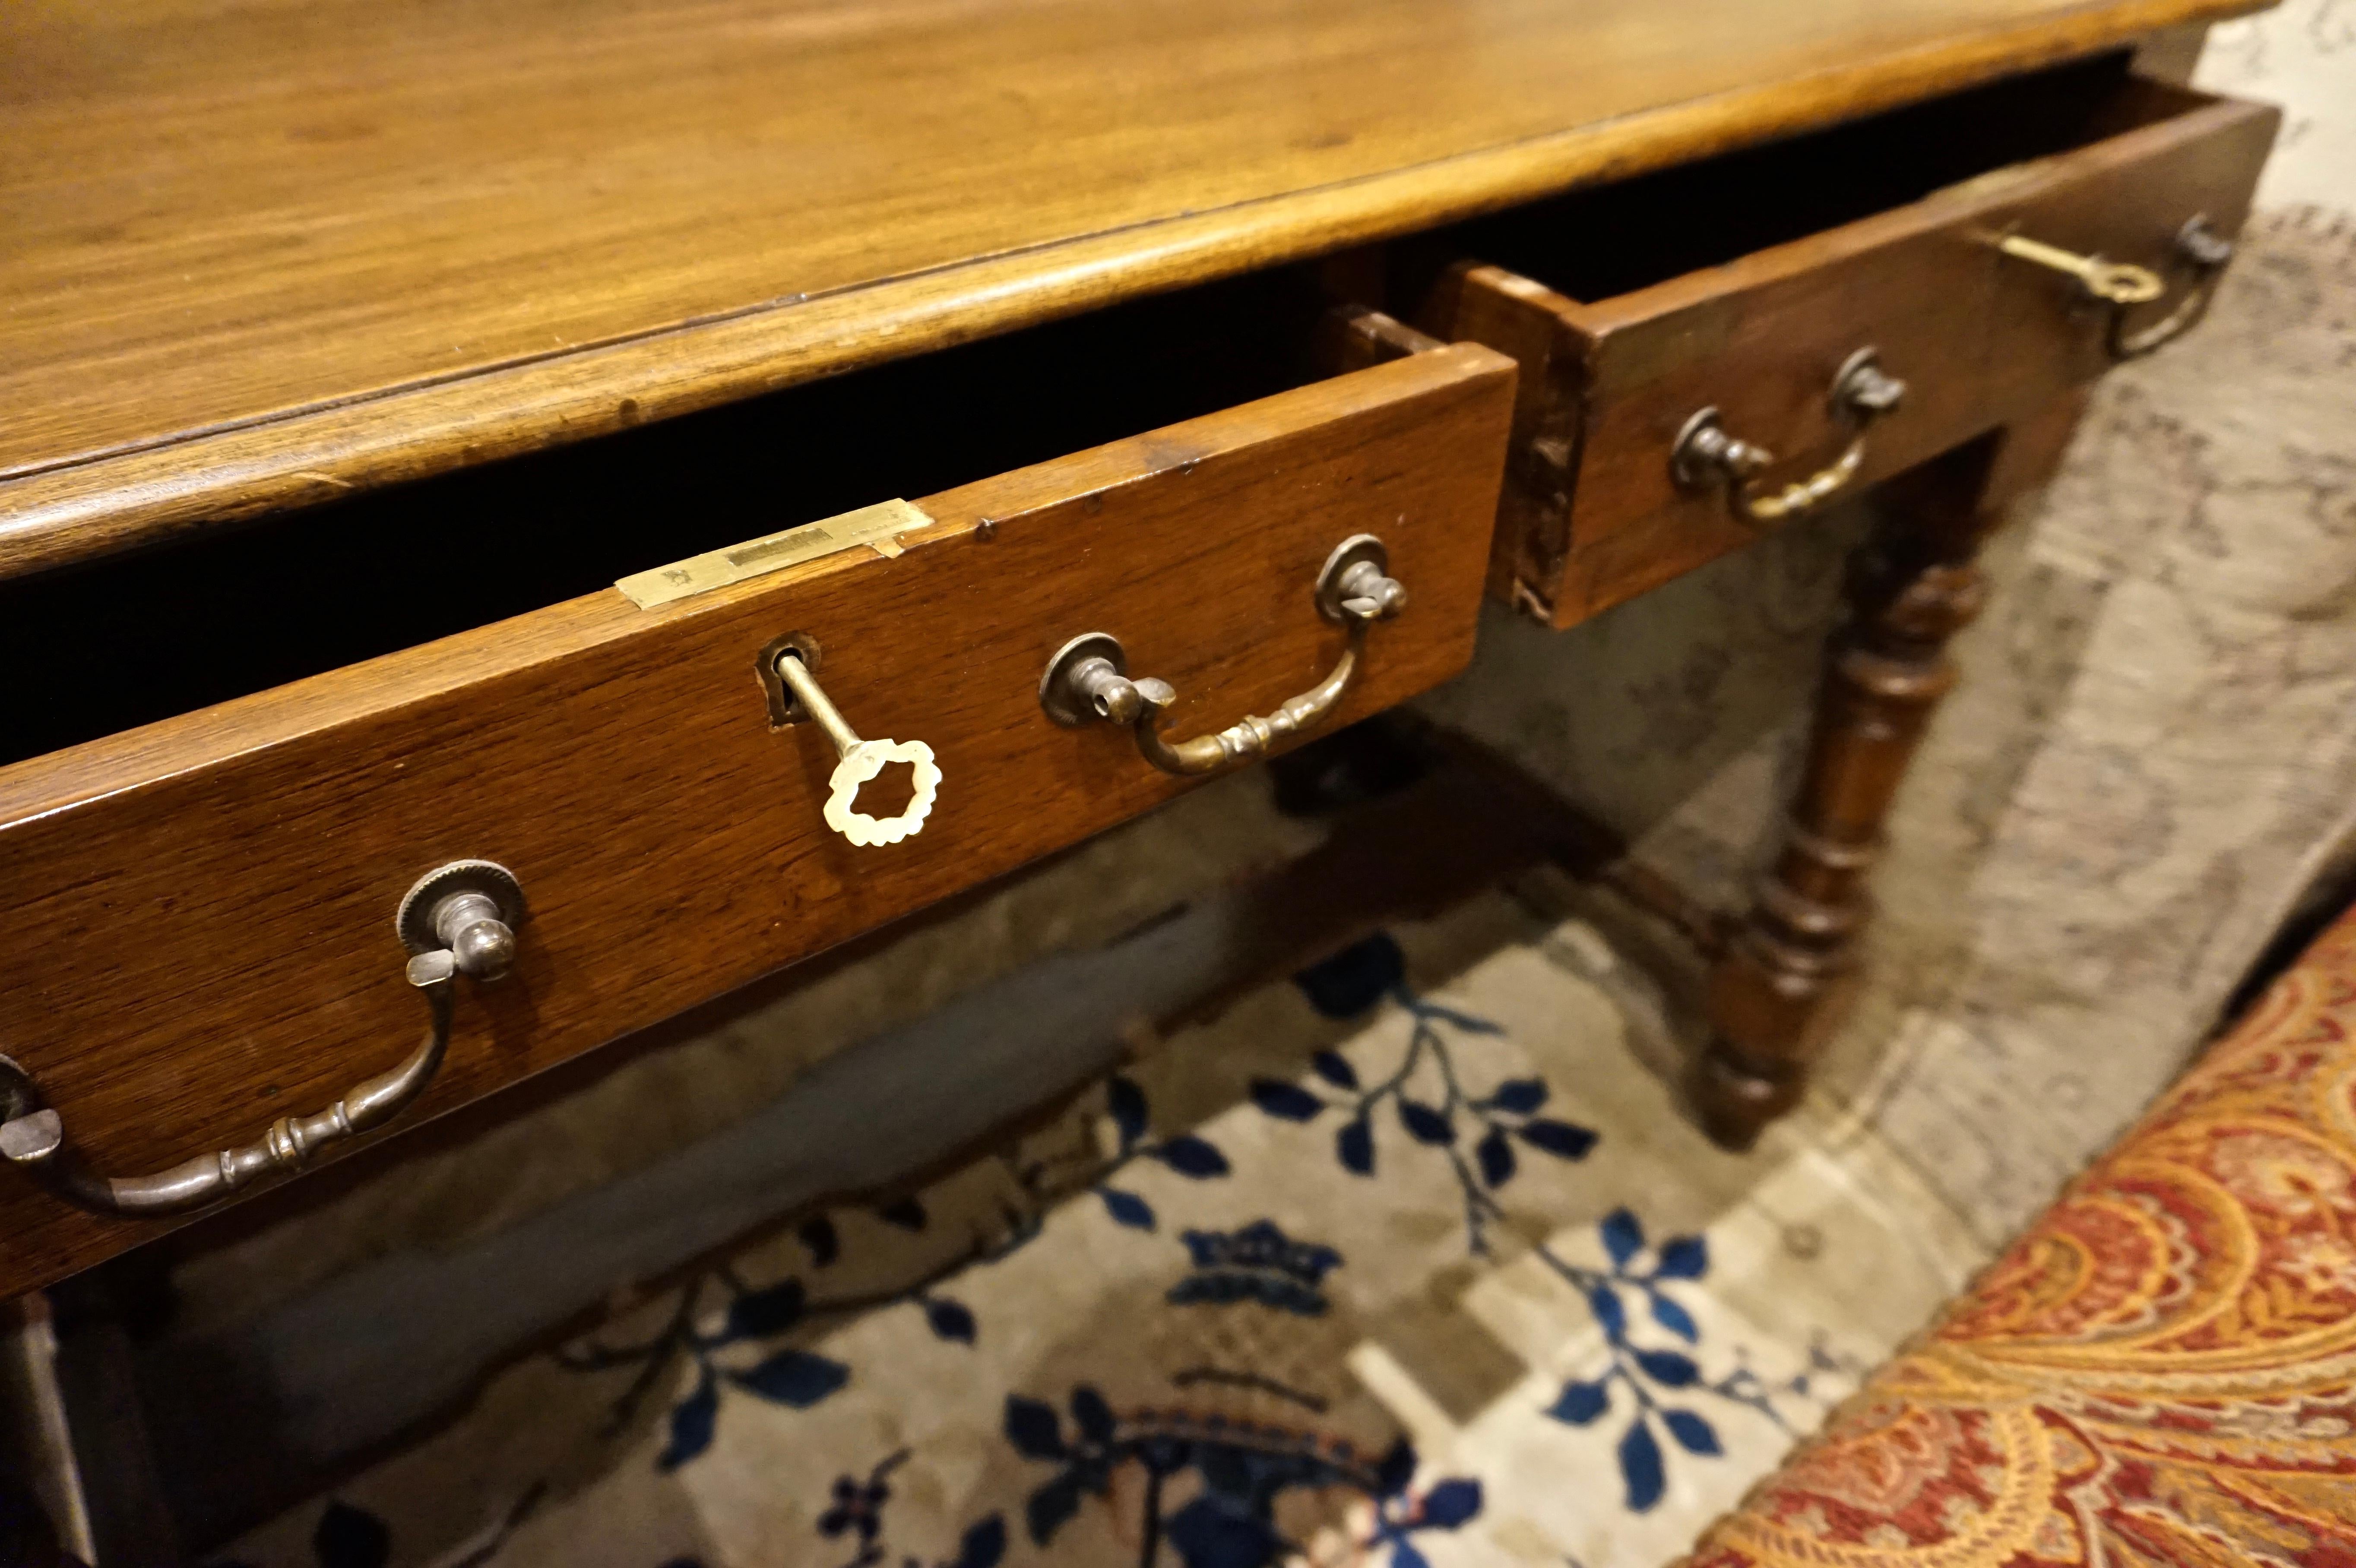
(1595,510)
(199,924)
(2128,200)
(1761,344)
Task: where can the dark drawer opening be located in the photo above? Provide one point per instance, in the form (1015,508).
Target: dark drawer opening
(1616,238)
(133,639)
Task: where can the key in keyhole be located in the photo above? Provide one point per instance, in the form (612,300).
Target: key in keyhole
(862,766)
(2117,283)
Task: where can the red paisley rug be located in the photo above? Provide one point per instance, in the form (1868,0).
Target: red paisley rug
(2161,1372)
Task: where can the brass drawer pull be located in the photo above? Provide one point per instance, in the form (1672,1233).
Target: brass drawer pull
(2199,249)
(861,762)
(1706,454)
(459,919)
(1087,680)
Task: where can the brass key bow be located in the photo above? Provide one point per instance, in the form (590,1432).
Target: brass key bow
(860,760)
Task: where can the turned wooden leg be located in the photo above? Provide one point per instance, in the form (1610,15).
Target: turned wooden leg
(1778,988)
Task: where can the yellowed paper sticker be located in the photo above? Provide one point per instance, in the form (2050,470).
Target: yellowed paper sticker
(879,526)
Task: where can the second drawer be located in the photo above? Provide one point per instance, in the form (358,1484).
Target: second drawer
(1722,303)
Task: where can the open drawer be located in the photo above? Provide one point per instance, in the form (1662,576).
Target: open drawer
(201,919)
(1710,351)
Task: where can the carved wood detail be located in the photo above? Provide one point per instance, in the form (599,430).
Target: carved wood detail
(1779,989)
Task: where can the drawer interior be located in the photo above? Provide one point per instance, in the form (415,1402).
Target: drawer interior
(138,638)
(1614,239)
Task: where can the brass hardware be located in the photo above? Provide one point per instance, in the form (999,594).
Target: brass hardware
(860,760)
(1087,680)
(1706,454)
(2198,250)
(458,919)
(2115,282)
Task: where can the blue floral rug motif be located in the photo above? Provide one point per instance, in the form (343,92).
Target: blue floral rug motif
(1181,1347)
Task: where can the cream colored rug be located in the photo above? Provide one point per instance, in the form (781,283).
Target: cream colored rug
(1443,1279)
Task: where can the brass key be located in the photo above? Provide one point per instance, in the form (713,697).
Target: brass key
(2117,282)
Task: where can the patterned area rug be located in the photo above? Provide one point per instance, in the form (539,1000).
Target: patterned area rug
(2162,1372)
(1446,1282)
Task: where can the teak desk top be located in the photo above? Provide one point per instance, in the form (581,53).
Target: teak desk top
(256,255)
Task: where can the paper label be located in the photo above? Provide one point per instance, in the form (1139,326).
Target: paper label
(879,526)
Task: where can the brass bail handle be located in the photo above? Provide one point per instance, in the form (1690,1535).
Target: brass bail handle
(1087,681)
(458,919)
(859,761)
(1706,454)
(2198,250)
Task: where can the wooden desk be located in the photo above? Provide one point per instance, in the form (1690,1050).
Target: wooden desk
(283,256)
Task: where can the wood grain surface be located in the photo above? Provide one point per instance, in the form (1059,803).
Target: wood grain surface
(200,911)
(259,255)
(1593,515)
